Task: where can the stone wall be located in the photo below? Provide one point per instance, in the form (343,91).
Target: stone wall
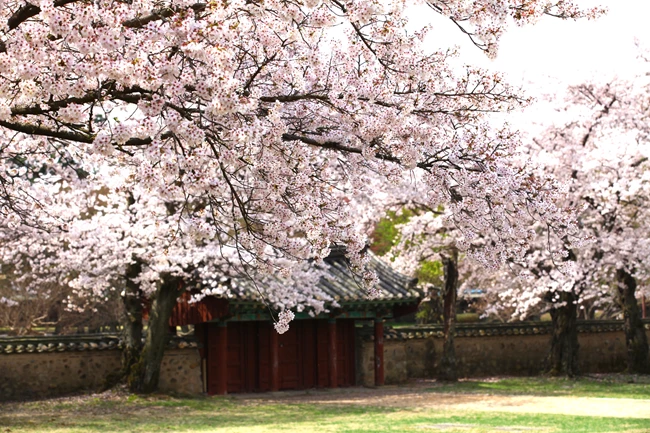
(33,375)
(402,360)
(181,372)
(41,367)
(43,374)
(489,351)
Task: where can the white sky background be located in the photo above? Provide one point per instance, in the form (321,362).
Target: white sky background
(545,57)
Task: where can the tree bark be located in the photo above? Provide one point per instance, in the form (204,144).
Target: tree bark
(447,370)
(144,375)
(562,359)
(636,340)
(132,318)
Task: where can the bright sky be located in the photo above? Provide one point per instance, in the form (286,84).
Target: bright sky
(544,57)
(574,51)
(566,50)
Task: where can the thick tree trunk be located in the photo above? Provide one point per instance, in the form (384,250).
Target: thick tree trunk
(636,340)
(144,375)
(132,318)
(447,370)
(562,360)
(131,321)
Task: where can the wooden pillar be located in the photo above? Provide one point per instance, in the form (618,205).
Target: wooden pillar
(275,361)
(379,352)
(333,370)
(222,354)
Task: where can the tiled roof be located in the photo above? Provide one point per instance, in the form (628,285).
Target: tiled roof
(77,343)
(490,329)
(344,286)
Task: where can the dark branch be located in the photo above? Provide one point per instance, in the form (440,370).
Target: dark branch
(29,10)
(26,128)
(159,14)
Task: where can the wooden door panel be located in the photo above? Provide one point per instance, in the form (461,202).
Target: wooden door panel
(264,330)
(308,352)
(302,351)
(322,354)
(289,356)
(345,352)
(236,370)
(212,365)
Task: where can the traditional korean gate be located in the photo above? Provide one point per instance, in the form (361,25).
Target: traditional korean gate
(303,356)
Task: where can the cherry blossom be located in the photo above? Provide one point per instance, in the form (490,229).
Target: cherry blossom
(146,143)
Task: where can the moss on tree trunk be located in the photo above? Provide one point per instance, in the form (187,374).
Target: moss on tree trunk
(636,340)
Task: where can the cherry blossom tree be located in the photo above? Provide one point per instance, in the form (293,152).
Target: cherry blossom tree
(599,148)
(431,237)
(128,245)
(427,238)
(420,239)
(240,132)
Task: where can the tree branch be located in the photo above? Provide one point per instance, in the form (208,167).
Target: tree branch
(26,128)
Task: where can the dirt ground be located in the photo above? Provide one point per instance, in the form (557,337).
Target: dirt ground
(415,397)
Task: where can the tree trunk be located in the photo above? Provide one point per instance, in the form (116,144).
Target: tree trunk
(131,321)
(132,318)
(144,375)
(447,370)
(636,340)
(562,360)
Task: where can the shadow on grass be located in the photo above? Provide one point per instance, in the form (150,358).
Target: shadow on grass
(136,414)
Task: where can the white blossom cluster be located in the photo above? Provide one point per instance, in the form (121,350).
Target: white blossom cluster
(599,149)
(224,137)
(8,302)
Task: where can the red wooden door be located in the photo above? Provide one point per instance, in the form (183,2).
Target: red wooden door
(212,358)
(236,378)
(345,352)
(264,330)
(308,353)
(302,353)
(322,354)
(290,359)
(241,357)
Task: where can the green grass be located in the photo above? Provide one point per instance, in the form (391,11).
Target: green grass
(468,317)
(612,386)
(133,414)
(224,415)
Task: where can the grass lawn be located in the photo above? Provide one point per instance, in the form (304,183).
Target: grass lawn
(113,412)
(605,386)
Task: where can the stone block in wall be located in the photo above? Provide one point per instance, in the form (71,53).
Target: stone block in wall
(602,352)
(395,365)
(366,374)
(180,372)
(420,357)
